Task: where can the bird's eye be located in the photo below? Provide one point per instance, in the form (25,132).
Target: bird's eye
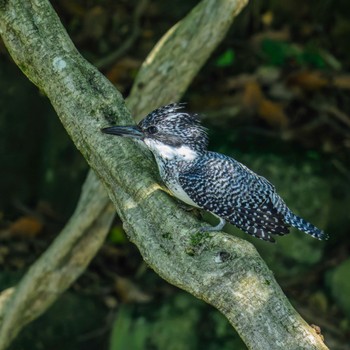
(152,129)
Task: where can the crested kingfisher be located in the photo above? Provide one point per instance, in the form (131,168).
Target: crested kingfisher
(212,181)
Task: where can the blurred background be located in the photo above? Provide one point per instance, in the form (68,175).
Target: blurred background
(275,96)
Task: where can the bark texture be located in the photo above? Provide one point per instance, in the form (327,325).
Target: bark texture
(220,269)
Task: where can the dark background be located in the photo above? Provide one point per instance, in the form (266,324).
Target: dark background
(275,95)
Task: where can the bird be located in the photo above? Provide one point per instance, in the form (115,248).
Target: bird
(212,181)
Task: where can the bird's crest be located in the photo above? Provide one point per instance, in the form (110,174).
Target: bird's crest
(176,124)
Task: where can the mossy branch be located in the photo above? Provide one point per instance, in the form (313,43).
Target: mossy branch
(222,270)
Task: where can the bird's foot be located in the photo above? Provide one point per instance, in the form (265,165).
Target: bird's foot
(216,228)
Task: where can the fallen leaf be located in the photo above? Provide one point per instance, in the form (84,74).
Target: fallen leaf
(252,95)
(308,80)
(342,81)
(273,113)
(255,101)
(129,292)
(267,18)
(238,82)
(26,226)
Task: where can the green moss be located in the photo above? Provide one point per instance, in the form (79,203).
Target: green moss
(198,238)
(196,242)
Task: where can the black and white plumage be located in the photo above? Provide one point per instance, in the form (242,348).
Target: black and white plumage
(209,180)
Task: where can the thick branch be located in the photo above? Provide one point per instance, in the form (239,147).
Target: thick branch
(47,272)
(224,271)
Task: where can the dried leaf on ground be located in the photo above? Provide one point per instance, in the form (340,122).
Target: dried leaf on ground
(26,226)
(255,101)
(342,81)
(129,292)
(308,80)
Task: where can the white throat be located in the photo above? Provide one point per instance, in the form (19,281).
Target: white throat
(171,153)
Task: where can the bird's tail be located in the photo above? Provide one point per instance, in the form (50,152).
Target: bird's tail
(303,225)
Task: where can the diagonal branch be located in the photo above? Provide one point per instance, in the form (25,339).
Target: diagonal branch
(41,282)
(224,271)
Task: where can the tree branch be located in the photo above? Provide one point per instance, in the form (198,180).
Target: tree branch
(223,270)
(45,271)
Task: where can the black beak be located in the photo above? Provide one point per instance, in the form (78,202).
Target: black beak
(132,131)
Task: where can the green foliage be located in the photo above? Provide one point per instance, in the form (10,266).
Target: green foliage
(179,323)
(339,283)
(169,330)
(127,332)
(225,59)
(279,53)
(117,235)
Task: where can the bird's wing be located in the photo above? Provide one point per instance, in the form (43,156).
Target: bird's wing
(227,188)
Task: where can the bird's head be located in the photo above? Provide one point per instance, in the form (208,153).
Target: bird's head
(168,132)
